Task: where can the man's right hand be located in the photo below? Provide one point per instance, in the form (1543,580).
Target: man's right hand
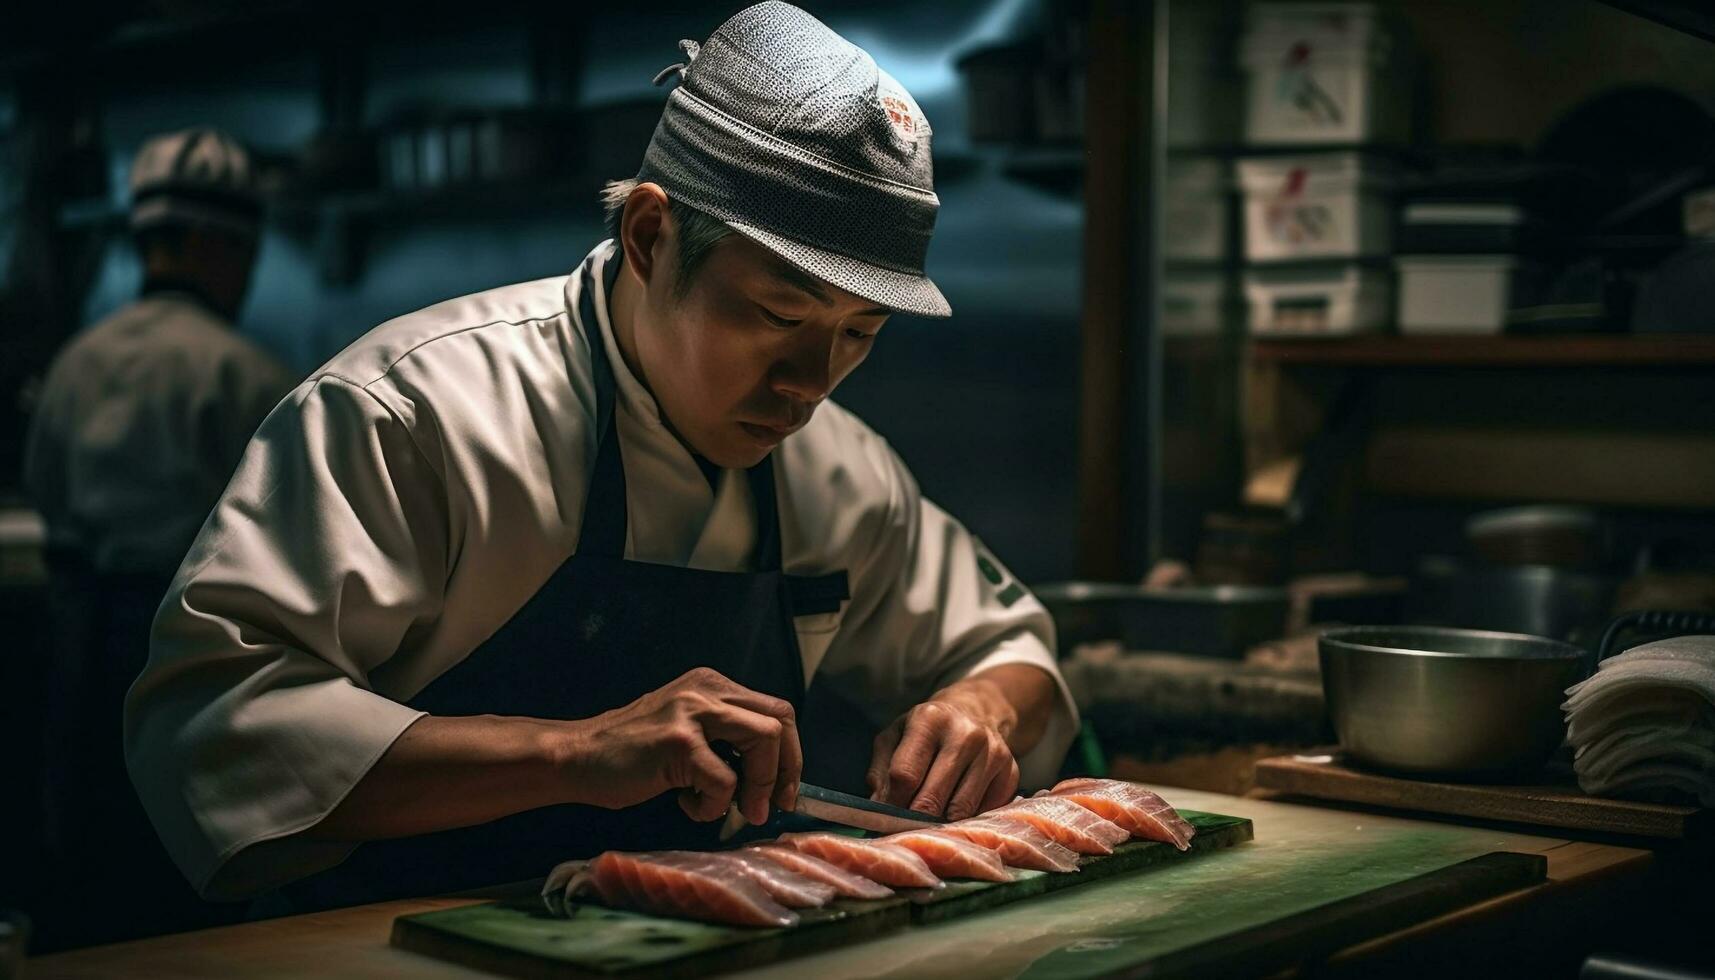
(662,740)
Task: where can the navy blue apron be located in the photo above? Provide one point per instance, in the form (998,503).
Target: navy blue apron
(600,633)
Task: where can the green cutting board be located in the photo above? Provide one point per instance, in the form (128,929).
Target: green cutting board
(522,939)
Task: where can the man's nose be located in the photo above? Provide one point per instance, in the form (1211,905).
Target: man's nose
(807,374)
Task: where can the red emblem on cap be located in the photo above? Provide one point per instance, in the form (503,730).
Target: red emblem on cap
(902,114)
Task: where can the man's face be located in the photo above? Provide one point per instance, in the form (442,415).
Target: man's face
(743,358)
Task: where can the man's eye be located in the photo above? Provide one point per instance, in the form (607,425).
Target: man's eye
(859,335)
(777,319)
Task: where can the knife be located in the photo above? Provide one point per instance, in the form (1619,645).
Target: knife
(844,809)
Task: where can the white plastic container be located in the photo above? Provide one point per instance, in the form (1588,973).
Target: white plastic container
(1318,301)
(1455,294)
(1194,216)
(1338,23)
(1325,73)
(1317,206)
(1699,213)
(1462,228)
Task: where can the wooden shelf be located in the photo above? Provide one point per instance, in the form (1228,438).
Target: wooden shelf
(1567,350)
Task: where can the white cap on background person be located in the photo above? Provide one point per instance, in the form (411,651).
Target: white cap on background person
(196,176)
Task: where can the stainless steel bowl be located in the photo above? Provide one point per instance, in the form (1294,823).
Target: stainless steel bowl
(1423,700)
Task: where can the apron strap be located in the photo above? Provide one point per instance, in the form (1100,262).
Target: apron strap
(761,478)
(603,530)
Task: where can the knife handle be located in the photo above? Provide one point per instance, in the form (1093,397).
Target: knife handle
(728,753)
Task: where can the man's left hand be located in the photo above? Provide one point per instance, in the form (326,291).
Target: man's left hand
(949,755)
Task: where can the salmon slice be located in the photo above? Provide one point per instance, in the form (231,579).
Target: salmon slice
(1019,844)
(1066,823)
(887,864)
(844,882)
(682,884)
(951,857)
(1141,812)
(789,888)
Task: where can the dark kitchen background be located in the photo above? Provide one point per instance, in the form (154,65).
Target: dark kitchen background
(1399,314)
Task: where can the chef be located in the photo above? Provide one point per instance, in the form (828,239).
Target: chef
(141,420)
(578,564)
(144,415)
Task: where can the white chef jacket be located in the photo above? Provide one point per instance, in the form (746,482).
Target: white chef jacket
(141,420)
(411,495)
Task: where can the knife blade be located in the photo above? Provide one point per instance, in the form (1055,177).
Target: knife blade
(846,810)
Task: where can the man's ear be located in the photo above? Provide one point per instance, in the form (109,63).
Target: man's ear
(646,231)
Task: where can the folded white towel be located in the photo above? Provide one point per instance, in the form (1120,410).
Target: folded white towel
(1644,724)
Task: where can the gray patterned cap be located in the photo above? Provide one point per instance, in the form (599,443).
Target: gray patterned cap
(790,134)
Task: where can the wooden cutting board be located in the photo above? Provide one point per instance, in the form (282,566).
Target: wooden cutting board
(521,939)
(1323,774)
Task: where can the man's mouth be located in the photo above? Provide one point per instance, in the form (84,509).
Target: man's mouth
(769,434)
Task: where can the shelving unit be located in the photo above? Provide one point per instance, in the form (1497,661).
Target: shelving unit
(1616,420)
(1586,350)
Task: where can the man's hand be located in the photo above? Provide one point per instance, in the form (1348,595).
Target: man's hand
(662,740)
(446,772)
(953,754)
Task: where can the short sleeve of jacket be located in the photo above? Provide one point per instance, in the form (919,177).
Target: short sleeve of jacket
(930,605)
(255,716)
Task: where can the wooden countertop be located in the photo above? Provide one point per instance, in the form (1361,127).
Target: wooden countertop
(354,942)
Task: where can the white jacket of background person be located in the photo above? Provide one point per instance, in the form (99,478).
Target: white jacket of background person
(141,422)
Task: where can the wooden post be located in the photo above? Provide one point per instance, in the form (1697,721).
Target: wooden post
(1117,417)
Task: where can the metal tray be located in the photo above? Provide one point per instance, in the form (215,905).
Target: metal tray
(1211,621)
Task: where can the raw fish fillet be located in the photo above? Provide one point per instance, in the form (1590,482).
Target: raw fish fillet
(844,882)
(1019,844)
(789,888)
(684,884)
(554,889)
(887,864)
(951,857)
(1065,823)
(1140,812)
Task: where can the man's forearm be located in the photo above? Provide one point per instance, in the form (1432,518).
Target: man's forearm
(1016,700)
(443,773)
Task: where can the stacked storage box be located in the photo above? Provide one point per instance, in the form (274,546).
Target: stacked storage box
(1197,291)
(1460,265)
(1328,94)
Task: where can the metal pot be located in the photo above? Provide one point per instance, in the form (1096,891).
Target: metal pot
(1537,600)
(1567,537)
(1423,699)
